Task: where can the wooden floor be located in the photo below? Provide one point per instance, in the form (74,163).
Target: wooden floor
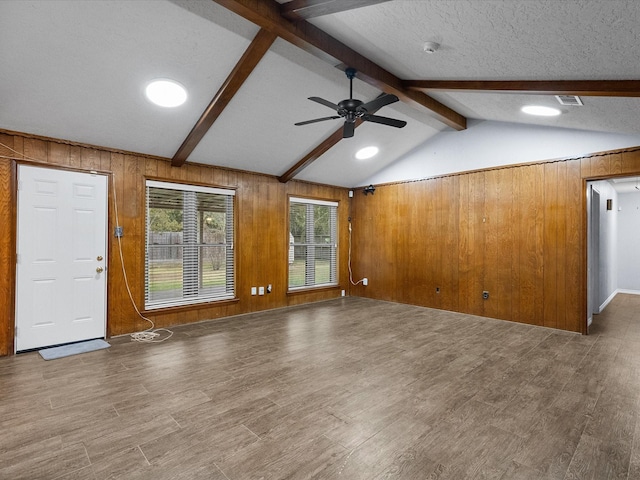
(347,389)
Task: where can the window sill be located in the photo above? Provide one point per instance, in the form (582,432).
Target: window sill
(193,306)
(299,291)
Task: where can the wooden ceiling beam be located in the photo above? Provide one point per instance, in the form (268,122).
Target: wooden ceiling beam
(587,88)
(312,156)
(266,14)
(247,63)
(297,10)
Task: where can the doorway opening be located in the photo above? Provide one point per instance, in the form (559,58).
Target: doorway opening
(613,234)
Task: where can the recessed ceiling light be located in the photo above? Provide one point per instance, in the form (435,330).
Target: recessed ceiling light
(541,111)
(166,93)
(366,152)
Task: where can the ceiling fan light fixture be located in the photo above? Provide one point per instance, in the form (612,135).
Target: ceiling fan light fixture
(166,93)
(541,111)
(367,152)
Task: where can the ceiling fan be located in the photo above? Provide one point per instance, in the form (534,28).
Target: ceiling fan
(352,109)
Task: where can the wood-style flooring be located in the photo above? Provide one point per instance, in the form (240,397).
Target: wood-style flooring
(346,389)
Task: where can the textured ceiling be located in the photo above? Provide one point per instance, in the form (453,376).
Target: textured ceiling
(76,70)
(495,39)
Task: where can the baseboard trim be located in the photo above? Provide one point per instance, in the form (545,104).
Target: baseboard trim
(608,300)
(630,292)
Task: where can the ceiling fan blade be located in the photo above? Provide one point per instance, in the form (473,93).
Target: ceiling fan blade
(324,102)
(392,122)
(317,120)
(348,129)
(378,103)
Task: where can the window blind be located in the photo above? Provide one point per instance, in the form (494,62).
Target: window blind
(189,255)
(313,243)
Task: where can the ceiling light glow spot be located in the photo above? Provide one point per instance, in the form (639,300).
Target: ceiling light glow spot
(366,152)
(541,111)
(166,93)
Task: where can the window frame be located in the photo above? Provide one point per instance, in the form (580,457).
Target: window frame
(230,259)
(334,234)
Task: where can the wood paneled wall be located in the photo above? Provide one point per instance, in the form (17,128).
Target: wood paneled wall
(7,246)
(262,240)
(517,232)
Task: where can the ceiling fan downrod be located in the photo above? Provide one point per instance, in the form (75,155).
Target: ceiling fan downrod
(351,74)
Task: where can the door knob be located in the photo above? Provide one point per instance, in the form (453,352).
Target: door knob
(99,269)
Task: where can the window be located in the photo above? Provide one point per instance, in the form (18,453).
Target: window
(189,245)
(313,243)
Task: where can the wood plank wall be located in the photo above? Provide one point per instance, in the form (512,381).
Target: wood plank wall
(7,242)
(262,241)
(517,232)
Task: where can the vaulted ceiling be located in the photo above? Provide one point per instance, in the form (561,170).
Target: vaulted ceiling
(77,71)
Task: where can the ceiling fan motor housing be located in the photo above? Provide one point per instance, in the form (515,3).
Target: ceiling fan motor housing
(350,109)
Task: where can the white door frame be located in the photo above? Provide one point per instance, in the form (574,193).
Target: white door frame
(593,251)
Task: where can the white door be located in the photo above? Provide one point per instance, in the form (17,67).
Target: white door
(61,261)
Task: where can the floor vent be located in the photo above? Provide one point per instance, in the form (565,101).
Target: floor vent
(571,100)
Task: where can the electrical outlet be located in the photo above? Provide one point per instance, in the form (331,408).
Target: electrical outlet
(437,289)
(485,295)
(260,290)
(254,290)
(343,292)
(119,232)
(269,288)
(365,281)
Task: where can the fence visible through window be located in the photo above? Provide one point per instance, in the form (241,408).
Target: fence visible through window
(189,247)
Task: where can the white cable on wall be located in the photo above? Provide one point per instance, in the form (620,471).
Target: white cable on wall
(22,155)
(150,335)
(350,272)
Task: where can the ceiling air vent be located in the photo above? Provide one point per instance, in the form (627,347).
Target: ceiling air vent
(570,100)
